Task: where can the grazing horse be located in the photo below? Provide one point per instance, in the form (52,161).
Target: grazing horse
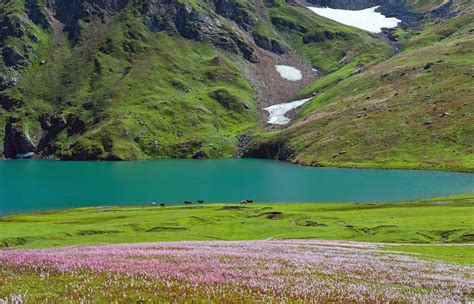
(200,202)
(243,203)
(162,205)
(188,203)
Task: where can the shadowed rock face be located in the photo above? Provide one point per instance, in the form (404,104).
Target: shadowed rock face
(17,140)
(169,16)
(36,14)
(8,103)
(174,17)
(233,11)
(70,12)
(268,44)
(66,10)
(277,149)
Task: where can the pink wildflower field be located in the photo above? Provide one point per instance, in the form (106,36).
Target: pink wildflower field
(273,271)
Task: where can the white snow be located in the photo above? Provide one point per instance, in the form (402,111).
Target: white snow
(366,19)
(277,112)
(289,73)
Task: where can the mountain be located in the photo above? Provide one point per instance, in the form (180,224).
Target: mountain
(152,79)
(138,79)
(413,110)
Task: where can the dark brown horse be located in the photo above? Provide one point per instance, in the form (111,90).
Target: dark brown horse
(188,203)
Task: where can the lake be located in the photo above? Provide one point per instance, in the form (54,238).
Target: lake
(34,185)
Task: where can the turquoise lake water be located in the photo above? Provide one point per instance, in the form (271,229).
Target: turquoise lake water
(33,185)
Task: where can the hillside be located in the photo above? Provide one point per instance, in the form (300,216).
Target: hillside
(153,79)
(122,80)
(411,111)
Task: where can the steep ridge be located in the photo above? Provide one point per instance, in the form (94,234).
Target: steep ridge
(411,111)
(123,79)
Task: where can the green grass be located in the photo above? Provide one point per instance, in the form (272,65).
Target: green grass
(444,225)
(149,95)
(438,221)
(450,254)
(395,114)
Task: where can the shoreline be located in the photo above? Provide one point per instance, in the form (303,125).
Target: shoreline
(237,205)
(347,165)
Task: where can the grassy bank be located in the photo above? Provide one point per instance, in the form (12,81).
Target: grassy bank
(439,221)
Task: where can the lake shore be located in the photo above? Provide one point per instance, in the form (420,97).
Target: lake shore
(421,222)
(388,165)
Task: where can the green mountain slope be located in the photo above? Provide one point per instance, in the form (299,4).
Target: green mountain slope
(411,111)
(137,79)
(140,79)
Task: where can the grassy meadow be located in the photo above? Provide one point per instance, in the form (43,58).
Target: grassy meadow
(438,221)
(229,253)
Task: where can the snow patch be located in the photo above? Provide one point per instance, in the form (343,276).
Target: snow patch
(289,73)
(367,19)
(277,112)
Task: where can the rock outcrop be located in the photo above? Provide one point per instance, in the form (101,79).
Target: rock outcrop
(17,142)
(268,44)
(175,17)
(276,149)
(9,103)
(236,12)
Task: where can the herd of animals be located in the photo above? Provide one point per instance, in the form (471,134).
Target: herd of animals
(200,202)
